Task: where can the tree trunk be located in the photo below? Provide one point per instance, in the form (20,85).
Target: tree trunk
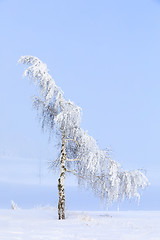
(61,186)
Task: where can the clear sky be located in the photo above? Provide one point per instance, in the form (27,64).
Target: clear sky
(105,57)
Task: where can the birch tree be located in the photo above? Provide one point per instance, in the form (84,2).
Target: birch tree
(79,153)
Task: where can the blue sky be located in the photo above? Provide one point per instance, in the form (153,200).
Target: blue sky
(105,57)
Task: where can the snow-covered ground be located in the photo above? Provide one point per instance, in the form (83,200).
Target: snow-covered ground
(42,224)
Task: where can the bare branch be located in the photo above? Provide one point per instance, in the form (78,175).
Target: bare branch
(74,172)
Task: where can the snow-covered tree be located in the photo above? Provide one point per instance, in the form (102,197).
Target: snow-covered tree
(79,154)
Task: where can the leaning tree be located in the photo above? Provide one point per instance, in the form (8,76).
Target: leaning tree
(79,153)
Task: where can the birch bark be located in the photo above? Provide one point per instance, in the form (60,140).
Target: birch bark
(61,183)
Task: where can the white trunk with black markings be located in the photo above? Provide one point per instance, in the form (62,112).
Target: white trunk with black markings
(61,183)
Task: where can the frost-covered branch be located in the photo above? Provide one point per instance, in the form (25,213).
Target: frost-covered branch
(39,73)
(73,160)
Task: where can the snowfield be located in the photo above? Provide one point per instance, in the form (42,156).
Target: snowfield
(42,224)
